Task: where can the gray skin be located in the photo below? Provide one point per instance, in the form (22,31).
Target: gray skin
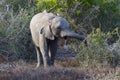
(46,28)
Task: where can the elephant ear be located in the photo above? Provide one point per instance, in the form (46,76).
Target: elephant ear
(47,32)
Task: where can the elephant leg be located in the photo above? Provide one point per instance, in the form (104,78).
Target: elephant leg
(44,50)
(53,50)
(39,57)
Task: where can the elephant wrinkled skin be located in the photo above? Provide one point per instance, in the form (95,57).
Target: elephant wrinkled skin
(46,28)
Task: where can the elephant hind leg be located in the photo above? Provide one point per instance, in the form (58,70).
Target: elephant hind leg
(39,57)
(53,50)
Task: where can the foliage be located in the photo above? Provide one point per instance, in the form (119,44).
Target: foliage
(46,4)
(18,4)
(110,15)
(15,39)
(98,50)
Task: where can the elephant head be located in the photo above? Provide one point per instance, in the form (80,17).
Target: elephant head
(59,27)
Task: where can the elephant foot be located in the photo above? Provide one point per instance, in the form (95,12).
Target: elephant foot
(37,66)
(52,62)
(46,65)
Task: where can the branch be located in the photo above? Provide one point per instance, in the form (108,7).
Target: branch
(52,8)
(76,6)
(4,51)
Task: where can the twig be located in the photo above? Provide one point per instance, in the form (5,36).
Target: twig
(117,31)
(14,36)
(4,51)
(99,23)
(17,33)
(52,8)
(76,6)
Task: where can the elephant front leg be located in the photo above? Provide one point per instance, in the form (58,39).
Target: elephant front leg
(44,50)
(53,50)
(39,57)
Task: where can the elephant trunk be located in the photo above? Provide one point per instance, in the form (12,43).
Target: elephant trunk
(73,35)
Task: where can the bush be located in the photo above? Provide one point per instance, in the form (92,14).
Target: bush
(46,4)
(98,50)
(18,4)
(15,39)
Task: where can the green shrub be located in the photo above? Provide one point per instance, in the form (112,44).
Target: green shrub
(18,4)
(46,4)
(15,39)
(97,50)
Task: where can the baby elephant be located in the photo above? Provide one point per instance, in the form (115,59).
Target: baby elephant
(46,28)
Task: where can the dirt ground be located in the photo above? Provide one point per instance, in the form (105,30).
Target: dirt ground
(66,68)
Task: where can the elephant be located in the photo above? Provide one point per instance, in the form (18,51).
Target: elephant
(46,28)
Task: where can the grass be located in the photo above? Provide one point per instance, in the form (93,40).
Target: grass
(96,70)
(65,69)
(24,71)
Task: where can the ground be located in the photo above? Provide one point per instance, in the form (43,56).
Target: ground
(66,67)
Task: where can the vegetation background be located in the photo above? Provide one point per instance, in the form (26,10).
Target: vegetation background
(99,20)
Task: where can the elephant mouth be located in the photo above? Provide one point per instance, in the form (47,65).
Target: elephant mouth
(65,37)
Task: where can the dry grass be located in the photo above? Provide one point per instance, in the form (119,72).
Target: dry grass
(64,69)
(67,67)
(27,72)
(97,71)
